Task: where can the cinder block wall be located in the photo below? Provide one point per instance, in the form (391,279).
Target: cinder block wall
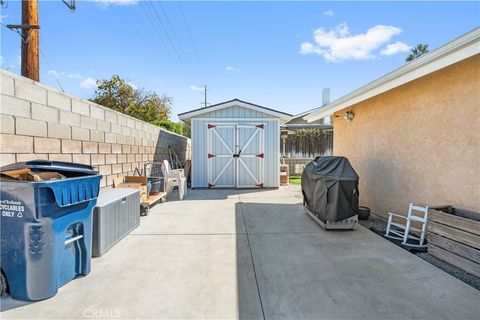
(39,122)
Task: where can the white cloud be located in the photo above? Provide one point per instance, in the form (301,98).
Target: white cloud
(88,83)
(196,88)
(329,13)
(339,44)
(85,82)
(75,76)
(56,73)
(2,17)
(307,47)
(232,69)
(106,3)
(394,48)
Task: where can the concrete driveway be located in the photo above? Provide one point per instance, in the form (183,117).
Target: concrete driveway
(223,254)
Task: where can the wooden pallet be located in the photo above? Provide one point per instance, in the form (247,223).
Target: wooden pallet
(151,201)
(455,240)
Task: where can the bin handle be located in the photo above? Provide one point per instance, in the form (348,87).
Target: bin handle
(73,239)
(64,193)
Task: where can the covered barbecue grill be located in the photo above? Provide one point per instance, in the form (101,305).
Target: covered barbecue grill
(330,192)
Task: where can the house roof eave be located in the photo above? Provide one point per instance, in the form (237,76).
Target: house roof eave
(454,51)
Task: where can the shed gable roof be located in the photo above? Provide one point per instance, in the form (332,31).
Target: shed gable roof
(186,116)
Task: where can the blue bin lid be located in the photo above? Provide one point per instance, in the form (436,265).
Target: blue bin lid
(51,166)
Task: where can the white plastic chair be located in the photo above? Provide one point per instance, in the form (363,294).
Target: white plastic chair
(174,178)
(403,231)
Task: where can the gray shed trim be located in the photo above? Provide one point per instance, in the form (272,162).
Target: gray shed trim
(186,116)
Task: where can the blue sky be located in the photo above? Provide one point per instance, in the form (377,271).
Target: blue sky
(276,54)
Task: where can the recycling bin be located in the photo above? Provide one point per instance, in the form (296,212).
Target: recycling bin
(46,226)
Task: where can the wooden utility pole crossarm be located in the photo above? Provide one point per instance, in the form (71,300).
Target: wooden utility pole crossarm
(30,40)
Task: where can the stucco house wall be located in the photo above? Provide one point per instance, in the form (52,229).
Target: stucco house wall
(419,142)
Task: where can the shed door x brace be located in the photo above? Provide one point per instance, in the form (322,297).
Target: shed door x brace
(235,155)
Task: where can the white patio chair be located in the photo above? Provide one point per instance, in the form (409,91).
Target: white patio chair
(174,178)
(403,231)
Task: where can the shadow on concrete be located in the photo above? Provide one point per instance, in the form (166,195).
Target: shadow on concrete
(249,299)
(213,194)
(7,303)
(261,221)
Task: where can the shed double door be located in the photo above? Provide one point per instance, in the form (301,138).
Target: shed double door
(235,155)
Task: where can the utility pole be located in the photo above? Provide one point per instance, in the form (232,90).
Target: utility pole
(30,34)
(205,103)
(30,40)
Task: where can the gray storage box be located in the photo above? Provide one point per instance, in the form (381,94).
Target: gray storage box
(117,213)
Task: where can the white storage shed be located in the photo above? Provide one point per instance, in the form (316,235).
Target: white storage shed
(235,144)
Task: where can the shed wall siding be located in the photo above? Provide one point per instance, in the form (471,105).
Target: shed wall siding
(199,148)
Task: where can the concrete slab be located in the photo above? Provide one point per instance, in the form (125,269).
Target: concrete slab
(212,216)
(160,277)
(288,194)
(269,217)
(353,275)
(194,259)
(206,194)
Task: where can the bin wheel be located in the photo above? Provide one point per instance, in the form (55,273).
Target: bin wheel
(3,284)
(144,211)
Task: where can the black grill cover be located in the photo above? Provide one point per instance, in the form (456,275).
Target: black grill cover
(330,188)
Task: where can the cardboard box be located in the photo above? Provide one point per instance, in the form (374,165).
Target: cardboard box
(134,182)
(26,174)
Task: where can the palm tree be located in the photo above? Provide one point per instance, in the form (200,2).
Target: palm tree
(417,51)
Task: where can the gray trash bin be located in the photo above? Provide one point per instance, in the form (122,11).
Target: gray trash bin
(117,213)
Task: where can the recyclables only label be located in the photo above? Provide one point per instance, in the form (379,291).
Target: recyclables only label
(12,208)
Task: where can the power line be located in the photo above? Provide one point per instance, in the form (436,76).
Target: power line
(154,25)
(168,35)
(49,66)
(41,52)
(173,32)
(155,29)
(190,36)
(70,5)
(165,31)
(137,30)
(135,22)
